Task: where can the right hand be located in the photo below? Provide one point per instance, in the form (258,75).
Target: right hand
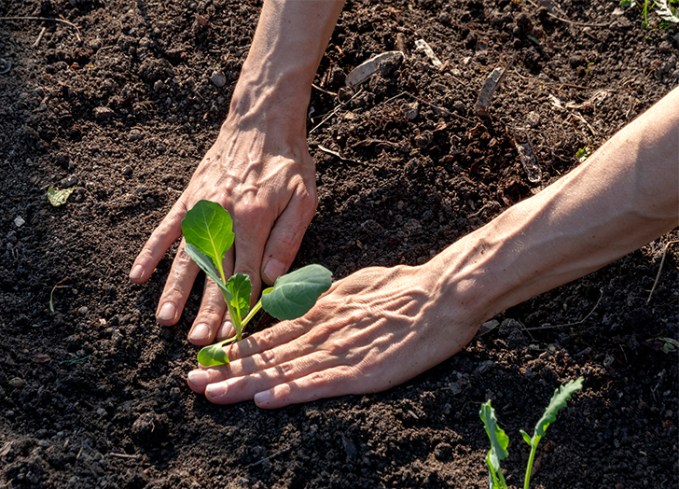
(265,177)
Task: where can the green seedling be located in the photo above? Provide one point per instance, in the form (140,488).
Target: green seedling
(208,232)
(582,153)
(499,441)
(667,10)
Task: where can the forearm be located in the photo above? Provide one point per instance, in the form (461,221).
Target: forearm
(275,82)
(625,195)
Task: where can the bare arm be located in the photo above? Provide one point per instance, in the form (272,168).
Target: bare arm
(625,195)
(259,168)
(382,326)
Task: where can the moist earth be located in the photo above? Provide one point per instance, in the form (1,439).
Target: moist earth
(120,103)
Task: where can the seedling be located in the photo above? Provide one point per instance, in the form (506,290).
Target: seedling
(499,441)
(208,232)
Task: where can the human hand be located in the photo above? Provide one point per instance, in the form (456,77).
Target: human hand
(265,177)
(373,330)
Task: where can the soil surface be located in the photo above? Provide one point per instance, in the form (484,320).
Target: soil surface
(122,108)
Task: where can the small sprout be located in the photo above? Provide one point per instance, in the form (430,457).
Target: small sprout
(499,440)
(208,232)
(56,286)
(582,153)
(58,197)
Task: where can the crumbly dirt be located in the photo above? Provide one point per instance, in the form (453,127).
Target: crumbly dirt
(123,108)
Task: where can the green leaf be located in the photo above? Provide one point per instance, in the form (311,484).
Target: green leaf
(526,438)
(212,355)
(558,402)
(240,289)
(205,264)
(498,446)
(208,227)
(58,197)
(295,293)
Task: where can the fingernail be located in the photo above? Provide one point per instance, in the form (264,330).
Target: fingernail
(200,332)
(273,269)
(216,390)
(136,272)
(263,397)
(198,378)
(167,312)
(224,330)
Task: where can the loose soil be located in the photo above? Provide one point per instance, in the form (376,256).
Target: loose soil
(122,109)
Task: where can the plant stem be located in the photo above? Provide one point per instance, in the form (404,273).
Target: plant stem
(234,315)
(227,341)
(531,459)
(255,309)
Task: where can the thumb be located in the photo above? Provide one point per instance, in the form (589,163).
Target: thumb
(286,236)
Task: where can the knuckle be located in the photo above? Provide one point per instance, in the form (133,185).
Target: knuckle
(210,312)
(174,292)
(182,259)
(285,369)
(251,210)
(267,358)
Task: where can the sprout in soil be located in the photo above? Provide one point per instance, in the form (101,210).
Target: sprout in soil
(208,232)
(499,441)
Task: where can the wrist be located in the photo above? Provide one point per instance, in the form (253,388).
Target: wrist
(268,102)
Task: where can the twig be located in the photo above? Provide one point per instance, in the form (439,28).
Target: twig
(334,111)
(48,19)
(124,455)
(575,22)
(323,90)
(56,286)
(576,323)
(276,454)
(39,38)
(422,101)
(662,262)
(568,21)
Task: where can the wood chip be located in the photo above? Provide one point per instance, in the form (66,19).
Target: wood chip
(487,91)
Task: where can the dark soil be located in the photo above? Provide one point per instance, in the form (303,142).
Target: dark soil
(93,394)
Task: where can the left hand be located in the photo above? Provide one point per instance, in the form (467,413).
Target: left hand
(373,330)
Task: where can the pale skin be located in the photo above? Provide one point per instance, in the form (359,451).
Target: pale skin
(259,168)
(379,327)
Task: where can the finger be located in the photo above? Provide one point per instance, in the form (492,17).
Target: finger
(210,315)
(282,333)
(261,345)
(226,330)
(162,238)
(177,288)
(243,388)
(332,382)
(286,236)
(251,228)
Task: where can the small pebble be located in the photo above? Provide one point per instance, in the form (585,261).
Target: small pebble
(533,118)
(218,79)
(19,221)
(17,382)
(83,310)
(134,135)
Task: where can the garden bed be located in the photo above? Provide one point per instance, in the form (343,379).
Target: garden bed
(122,108)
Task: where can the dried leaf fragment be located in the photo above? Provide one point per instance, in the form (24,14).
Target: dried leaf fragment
(58,197)
(369,67)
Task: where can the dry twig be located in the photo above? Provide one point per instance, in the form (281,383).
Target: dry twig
(47,19)
(576,323)
(662,262)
